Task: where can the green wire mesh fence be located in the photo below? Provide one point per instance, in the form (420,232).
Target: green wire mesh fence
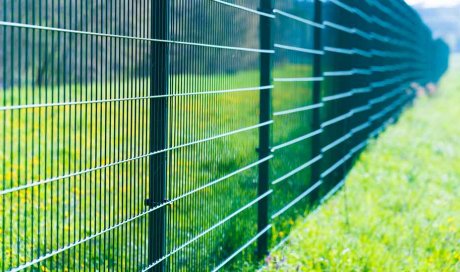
(177,135)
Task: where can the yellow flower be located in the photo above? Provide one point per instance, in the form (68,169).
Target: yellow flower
(35,161)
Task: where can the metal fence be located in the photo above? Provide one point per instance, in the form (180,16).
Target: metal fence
(182,135)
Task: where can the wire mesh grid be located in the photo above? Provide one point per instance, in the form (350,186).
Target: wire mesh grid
(179,135)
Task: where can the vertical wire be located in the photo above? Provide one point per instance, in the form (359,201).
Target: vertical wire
(131,137)
(185,126)
(46,132)
(135,130)
(69,214)
(108,239)
(119,133)
(87,162)
(125,133)
(98,134)
(173,129)
(144,150)
(54,171)
(93,136)
(81,149)
(25,252)
(60,87)
(106,141)
(32,94)
(15,180)
(4,85)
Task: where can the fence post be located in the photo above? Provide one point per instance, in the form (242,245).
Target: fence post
(264,150)
(158,121)
(316,114)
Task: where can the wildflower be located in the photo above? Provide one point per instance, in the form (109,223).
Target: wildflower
(268,259)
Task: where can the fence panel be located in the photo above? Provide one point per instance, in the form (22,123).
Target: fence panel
(173,135)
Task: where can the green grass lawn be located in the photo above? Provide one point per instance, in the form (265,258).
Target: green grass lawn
(40,143)
(400,208)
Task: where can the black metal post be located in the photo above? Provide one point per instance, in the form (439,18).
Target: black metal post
(159,68)
(266,43)
(316,114)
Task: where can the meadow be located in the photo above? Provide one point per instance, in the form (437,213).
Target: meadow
(399,208)
(75,174)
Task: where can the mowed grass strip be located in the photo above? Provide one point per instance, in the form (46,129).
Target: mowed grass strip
(400,208)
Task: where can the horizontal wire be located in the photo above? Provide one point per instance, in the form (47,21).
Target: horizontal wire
(358,147)
(245,8)
(371,19)
(207,185)
(332,191)
(337,96)
(297,199)
(45,181)
(382,127)
(368,36)
(300,109)
(335,166)
(278,246)
(369,54)
(337,119)
(390,13)
(347,73)
(299,49)
(70,31)
(385,68)
(298,79)
(354,130)
(336,142)
(246,245)
(361,127)
(347,156)
(362,90)
(361,109)
(86,239)
(387,96)
(339,27)
(72,103)
(394,105)
(389,108)
(298,169)
(226,219)
(296,140)
(348,135)
(166,203)
(389,68)
(299,19)
(345,51)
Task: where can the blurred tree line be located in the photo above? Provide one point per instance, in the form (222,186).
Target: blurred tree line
(44,56)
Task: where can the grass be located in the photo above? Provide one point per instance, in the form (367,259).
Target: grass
(399,209)
(41,143)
